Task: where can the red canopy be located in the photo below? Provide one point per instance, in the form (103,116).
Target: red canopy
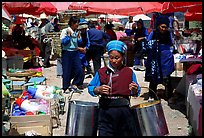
(61,6)
(119,8)
(21,7)
(47,7)
(5,13)
(193,16)
(169,7)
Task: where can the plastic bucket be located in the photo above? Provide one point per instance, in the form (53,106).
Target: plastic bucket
(82,118)
(151,119)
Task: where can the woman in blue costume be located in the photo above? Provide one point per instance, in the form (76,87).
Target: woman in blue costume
(114,84)
(160,60)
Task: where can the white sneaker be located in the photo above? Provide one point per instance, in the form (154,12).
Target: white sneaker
(150,99)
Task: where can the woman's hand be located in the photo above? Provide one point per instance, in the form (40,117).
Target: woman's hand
(69,32)
(82,50)
(133,87)
(79,35)
(103,89)
(140,38)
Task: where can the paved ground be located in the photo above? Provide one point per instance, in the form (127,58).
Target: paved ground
(174,113)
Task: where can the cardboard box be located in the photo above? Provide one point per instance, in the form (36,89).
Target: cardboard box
(41,124)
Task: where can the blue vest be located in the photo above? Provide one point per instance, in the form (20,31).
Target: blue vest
(73,44)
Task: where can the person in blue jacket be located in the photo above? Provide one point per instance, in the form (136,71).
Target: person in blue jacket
(140,37)
(83,25)
(114,84)
(98,40)
(160,60)
(71,63)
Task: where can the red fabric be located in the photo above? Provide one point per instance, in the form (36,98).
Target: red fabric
(18,20)
(193,68)
(19,101)
(169,7)
(61,6)
(193,16)
(119,86)
(37,51)
(25,93)
(5,13)
(119,8)
(22,19)
(13,52)
(98,27)
(33,8)
(47,7)
(21,7)
(112,34)
(29,113)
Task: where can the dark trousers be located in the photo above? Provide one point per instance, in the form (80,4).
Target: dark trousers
(45,53)
(168,88)
(95,53)
(59,67)
(72,69)
(116,121)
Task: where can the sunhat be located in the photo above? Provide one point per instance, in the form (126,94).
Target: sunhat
(43,16)
(82,23)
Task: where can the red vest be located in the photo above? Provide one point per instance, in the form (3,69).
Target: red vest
(120,80)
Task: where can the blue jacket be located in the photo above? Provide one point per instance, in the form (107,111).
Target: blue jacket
(97,37)
(70,43)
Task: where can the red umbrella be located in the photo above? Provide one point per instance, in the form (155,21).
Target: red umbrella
(61,6)
(119,8)
(169,7)
(21,7)
(193,16)
(47,7)
(5,13)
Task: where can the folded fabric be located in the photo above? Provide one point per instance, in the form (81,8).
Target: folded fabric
(193,68)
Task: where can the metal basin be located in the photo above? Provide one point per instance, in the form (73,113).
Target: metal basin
(150,118)
(82,118)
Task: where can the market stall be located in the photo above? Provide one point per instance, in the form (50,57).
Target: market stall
(194,105)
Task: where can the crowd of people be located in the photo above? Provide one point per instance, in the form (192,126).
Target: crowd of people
(83,41)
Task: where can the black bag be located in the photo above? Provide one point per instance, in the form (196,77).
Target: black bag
(140,48)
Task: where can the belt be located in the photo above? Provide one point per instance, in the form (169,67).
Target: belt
(113,101)
(113,97)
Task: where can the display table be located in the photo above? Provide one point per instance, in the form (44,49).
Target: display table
(189,60)
(16,77)
(24,73)
(194,108)
(184,83)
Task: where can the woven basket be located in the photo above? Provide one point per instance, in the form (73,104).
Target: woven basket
(65,16)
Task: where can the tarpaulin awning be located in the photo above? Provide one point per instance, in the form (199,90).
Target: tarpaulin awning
(120,8)
(169,7)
